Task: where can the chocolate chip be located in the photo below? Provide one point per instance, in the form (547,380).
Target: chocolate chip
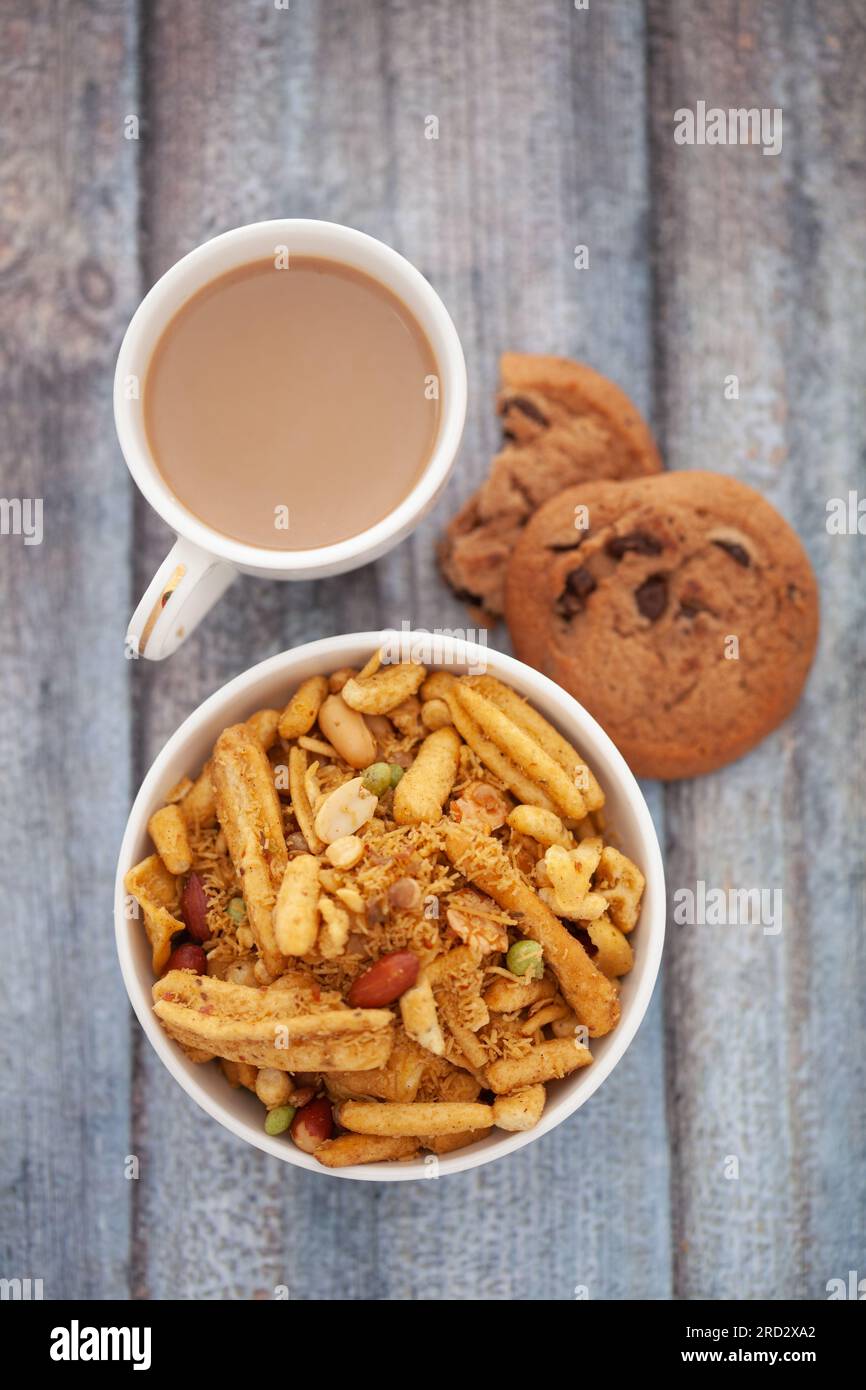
(736,552)
(567,605)
(527,408)
(580,582)
(561,548)
(464,595)
(690,608)
(638,543)
(652,597)
(578,586)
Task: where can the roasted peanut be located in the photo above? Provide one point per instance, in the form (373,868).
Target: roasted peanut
(405,894)
(346,730)
(385,981)
(435,714)
(239,1073)
(273,1087)
(242,972)
(345,852)
(344,810)
(187,957)
(193,908)
(350,897)
(313,1124)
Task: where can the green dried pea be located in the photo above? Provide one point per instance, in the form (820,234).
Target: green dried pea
(278,1120)
(526,958)
(237,910)
(377,778)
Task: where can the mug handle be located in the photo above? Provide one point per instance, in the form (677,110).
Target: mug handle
(187,584)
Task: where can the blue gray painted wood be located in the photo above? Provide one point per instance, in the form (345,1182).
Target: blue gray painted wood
(555,129)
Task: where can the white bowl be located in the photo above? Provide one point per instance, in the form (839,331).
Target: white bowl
(268,685)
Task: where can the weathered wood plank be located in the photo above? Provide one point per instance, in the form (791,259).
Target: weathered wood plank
(251,112)
(536,112)
(531,107)
(68,281)
(756,277)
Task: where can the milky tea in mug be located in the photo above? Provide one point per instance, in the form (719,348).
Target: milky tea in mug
(292,406)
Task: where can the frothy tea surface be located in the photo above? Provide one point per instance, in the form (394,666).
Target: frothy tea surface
(291,408)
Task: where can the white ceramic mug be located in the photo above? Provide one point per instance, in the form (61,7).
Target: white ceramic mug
(203,562)
(269,685)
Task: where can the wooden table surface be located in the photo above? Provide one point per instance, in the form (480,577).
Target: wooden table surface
(555,130)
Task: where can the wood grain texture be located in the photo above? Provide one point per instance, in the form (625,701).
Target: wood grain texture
(555,130)
(759,273)
(68,283)
(378,72)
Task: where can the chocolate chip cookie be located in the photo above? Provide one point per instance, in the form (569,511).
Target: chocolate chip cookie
(681,610)
(562,423)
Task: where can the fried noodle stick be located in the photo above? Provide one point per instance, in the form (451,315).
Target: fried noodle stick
(300,801)
(592,997)
(546,1062)
(490,754)
(422,1117)
(550,739)
(530,757)
(248,810)
(422,789)
(349,1149)
(301,712)
(264,1027)
(296,914)
(447,1143)
(397,1080)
